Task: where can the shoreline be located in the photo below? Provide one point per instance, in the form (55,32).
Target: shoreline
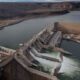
(8,22)
(69,27)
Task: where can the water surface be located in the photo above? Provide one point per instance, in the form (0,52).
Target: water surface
(12,35)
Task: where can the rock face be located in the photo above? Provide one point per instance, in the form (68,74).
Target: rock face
(67,27)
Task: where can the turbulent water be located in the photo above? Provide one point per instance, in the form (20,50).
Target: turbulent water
(70,69)
(71,65)
(13,35)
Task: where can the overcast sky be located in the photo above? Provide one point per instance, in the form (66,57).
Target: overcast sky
(35,0)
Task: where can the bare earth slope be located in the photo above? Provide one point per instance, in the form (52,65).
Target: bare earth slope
(70,27)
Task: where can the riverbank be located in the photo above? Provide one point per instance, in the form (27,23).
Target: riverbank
(71,31)
(7,22)
(70,27)
(12,21)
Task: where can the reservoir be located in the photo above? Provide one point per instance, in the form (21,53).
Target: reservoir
(13,35)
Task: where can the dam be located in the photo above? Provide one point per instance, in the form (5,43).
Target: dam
(30,60)
(19,68)
(37,57)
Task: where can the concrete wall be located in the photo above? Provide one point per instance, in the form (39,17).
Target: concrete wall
(14,71)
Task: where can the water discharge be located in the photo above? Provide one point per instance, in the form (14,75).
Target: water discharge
(71,64)
(13,35)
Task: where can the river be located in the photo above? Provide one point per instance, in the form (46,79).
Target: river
(13,35)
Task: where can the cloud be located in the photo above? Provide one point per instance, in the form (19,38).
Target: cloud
(53,0)
(45,0)
(35,0)
(16,0)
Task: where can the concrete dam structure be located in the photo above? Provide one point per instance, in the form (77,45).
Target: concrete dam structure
(40,58)
(34,60)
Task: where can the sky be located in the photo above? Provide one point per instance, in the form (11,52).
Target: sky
(36,0)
